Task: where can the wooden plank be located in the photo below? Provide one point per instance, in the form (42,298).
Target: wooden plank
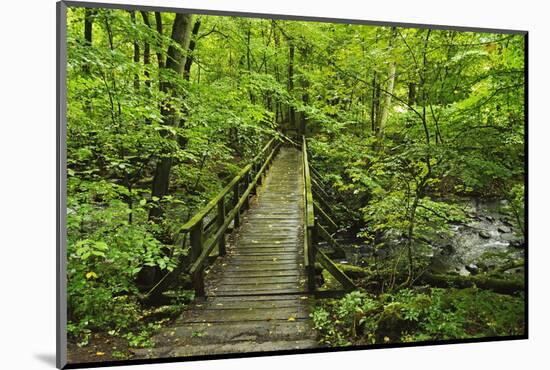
(319,188)
(338,274)
(209,245)
(248,280)
(293,257)
(257,298)
(323,233)
(221,304)
(267,252)
(324,204)
(223,332)
(244,315)
(256,291)
(214,201)
(237,274)
(326,218)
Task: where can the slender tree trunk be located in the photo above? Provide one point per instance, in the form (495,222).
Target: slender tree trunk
(88,32)
(387,101)
(159,27)
(412,94)
(291,111)
(373,104)
(305,94)
(248,61)
(146,51)
(136,52)
(88,25)
(389,89)
(181,32)
(192,45)
(182,140)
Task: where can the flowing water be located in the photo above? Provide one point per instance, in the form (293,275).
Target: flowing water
(489,239)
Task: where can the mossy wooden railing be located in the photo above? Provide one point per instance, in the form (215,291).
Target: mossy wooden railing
(206,229)
(314,230)
(239,189)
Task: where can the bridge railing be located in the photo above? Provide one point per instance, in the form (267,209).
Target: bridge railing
(207,233)
(309,220)
(206,229)
(314,230)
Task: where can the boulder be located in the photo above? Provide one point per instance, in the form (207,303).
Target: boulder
(447,249)
(472,268)
(504,229)
(484,234)
(517,244)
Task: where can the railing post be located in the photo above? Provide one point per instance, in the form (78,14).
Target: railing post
(258,167)
(311,240)
(220,221)
(196,250)
(251,175)
(237,219)
(246,184)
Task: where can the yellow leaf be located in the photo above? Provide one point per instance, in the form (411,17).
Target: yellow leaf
(100,353)
(386,339)
(91,275)
(291,318)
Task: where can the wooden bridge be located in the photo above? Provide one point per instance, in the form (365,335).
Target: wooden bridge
(257,294)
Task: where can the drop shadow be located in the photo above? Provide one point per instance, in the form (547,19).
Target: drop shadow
(47,358)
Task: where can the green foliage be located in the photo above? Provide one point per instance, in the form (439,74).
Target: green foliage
(413,316)
(451,126)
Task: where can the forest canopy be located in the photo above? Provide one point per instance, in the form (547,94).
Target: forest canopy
(164,109)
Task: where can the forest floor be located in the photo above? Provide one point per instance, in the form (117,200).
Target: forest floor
(102,347)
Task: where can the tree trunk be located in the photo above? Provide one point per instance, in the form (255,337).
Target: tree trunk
(291,111)
(447,281)
(387,100)
(136,52)
(412,94)
(146,51)
(192,45)
(181,31)
(305,94)
(389,89)
(88,25)
(88,31)
(158,21)
(373,104)
(456,281)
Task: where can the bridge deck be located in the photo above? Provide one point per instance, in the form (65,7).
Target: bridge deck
(256,294)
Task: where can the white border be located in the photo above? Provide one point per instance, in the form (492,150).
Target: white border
(27,146)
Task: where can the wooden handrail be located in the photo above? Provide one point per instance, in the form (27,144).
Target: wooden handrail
(201,214)
(313,231)
(198,228)
(250,176)
(211,243)
(309,221)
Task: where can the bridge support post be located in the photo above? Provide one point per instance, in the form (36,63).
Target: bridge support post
(311,257)
(237,219)
(221,221)
(196,249)
(260,179)
(246,184)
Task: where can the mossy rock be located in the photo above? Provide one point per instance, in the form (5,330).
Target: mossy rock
(391,323)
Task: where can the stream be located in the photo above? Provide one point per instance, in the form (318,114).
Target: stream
(489,240)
